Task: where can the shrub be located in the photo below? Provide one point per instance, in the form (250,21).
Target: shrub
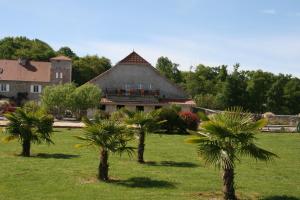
(190,119)
(298,127)
(174,123)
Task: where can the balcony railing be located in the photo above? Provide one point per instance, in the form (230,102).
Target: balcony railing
(131,92)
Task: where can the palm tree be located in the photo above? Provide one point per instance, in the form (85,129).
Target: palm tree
(224,138)
(107,136)
(143,123)
(29,127)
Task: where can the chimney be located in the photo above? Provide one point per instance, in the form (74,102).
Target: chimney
(23,61)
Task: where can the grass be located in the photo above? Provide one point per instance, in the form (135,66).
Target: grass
(173,171)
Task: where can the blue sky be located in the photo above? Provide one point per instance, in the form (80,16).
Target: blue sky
(259,34)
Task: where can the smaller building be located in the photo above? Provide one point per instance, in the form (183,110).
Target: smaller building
(25,79)
(136,85)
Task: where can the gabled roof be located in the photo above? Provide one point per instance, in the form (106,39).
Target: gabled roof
(61,57)
(133,58)
(11,70)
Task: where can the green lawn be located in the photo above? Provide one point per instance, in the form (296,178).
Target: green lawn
(61,171)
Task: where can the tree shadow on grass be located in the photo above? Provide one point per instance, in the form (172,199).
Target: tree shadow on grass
(172,164)
(56,155)
(144,182)
(280,197)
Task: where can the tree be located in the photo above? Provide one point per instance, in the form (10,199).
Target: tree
(67,51)
(225,138)
(88,67)
(56,99)
(275,96)
(29,127)
(233,91)
(85,97)
(143,123)
(107,136)
(22,47)
(169,69)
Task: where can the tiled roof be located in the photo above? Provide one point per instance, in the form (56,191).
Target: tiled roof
(11,70)
(134,58)
(61,58)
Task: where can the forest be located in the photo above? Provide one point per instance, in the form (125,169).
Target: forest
(214,87)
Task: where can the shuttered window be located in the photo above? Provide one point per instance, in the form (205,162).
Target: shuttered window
(4,87)
(35,88)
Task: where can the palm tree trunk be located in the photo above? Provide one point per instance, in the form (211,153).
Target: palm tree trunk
(141,147)
(228,184)
(103,166)
(26,148)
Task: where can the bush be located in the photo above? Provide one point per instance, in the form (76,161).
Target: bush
(190,119)
(6,107)
(174,123)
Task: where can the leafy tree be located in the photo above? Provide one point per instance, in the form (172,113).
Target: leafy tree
(233,91)
(143,123)
(292,96)
(29,127)
(56,99)
(275,96)
(88,67)
(85,97)
(169,69)
(225,138)
(107,136)
(22,47)
(67,51)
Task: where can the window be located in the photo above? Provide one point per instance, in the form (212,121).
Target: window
(120,106)
(56,75)
(139,108)
(60,75)
(4,87)
(35,88)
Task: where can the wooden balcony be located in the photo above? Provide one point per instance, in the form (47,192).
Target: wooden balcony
(131,92)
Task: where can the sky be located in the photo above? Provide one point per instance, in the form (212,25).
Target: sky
(258,34)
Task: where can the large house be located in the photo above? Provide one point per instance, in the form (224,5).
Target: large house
(136,85)
(26,79)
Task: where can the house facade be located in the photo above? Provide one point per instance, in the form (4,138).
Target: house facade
(26,79)
(136,85)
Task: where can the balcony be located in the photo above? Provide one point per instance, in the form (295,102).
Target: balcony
(131,92)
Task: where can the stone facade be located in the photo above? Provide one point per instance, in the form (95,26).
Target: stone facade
(30,79)
(136,85)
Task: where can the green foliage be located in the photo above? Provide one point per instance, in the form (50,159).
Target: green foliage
(88,67)
(29,127)
(56,99)
(107,134)
(85,97)
(22,47)
(229,135)
(173,122)
(67,51)
(169,69)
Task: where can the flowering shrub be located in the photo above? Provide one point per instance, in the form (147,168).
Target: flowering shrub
(190,119)
(6,107)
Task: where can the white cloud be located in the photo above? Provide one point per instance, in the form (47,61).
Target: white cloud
(269,11)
